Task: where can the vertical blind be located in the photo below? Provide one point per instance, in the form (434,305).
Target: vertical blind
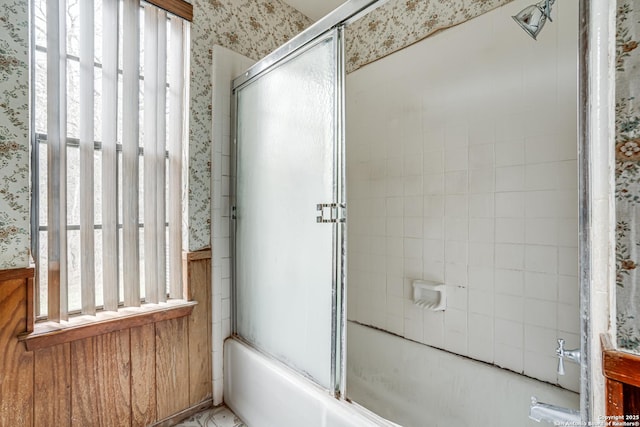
(109,127)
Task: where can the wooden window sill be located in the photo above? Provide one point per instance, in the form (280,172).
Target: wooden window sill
(619,365)
(47,334)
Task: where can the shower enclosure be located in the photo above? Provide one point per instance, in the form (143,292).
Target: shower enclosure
(289,210)
(448,182)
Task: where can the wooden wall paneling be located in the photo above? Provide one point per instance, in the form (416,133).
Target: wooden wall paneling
(100,378)
(16,364)
(614,404)
(631,400)
(172,369)
(143,375)
(199,279)
(52,381)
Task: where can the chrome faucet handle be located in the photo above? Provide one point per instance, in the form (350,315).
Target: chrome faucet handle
(560,353)
(561,370)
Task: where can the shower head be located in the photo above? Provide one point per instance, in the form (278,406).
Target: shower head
(532,18)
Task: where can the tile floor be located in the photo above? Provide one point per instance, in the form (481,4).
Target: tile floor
(220,416)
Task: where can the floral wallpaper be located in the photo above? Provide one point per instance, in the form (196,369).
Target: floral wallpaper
(627,149)
(14,131)
(400,23)
(252,28)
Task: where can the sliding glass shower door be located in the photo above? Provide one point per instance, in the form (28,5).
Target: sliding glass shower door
(289,212)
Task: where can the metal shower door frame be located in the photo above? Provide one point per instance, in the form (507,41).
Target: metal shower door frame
(338,307)
(589,26)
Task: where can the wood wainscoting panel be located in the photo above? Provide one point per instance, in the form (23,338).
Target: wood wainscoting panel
(172,367)
(131,370)
(199,280)
(16,364)
(100,380)
(52,392)
(143,374)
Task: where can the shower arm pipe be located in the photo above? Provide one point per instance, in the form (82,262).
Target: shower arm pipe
(342,15)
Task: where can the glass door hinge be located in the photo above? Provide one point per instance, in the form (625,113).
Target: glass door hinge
(331,212)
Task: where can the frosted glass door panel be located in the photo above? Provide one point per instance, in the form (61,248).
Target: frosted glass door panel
(285,166)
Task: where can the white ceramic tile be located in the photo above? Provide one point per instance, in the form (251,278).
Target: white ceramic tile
(455,274)
(509,256)
(433,206)
(481,180)
(394,206)
(481,337)
(568,261)
(413,329)
(395,306)
(456,135)
(433,183)
(433,228)
(509,307)
(413,185)
(509,282)
(395,186)
(509,153)
(481,132)
(457,296)
(413,248)
(413,267)
(568,290)
(456,252)
(481,156)
(456,206)
(481,302)
(541,286)
(456,229)
(413,205)
(568,318)
(509,357)
(394,324)
(433,331)
(541,231)
(543,259)
(481,205)
(433,250)
(481,254)
(456,182)
(510,205)
(541,204)
(508,332)
(413,165)
(510,178)
(510,230)
(542,176)
(433,162)
(567,232)
(456,342)
(481,230)
(540,366)
(394,227)
(456,159)
(413,227)
(540,313)
(481,278)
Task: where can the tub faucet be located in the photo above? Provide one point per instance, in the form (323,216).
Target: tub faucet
(572,355)
(556,415)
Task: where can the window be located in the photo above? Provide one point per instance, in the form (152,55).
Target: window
(109,125)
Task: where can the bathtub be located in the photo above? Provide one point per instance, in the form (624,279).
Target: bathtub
(264,393)
(413,384)
(407,383)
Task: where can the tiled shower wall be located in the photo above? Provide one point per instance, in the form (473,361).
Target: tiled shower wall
(461,169)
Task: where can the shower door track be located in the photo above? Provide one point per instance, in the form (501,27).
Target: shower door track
(342,15)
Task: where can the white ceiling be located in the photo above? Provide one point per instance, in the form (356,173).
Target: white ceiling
(315,9)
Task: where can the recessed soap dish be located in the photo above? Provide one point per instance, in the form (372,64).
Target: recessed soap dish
(429,295)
